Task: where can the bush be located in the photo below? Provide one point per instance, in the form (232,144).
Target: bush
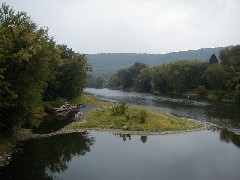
(119,109)
(139,116)
(142,116)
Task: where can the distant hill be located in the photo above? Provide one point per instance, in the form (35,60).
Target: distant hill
(105,64)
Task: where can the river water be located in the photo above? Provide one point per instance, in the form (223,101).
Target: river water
(105,155)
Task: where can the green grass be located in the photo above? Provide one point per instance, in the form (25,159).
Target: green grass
(156,121)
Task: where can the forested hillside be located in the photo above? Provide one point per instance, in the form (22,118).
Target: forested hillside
(106,64)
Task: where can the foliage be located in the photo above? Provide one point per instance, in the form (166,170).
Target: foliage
(139,116)
(95,82)
(70,76)
(124,78)
(230,57)
(119,109)
(106,64)
(25,58)
(215,77)
(213,59)
(142,82)
(211,79)
(33,67)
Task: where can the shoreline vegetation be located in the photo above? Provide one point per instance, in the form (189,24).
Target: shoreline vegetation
(99,117)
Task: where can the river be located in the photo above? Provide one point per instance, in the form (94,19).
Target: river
(220,113)
(199,155)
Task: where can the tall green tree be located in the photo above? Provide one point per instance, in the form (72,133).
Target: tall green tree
(124,78)
(69,76)
(25,58)
(213,59)
(142,82)
(33,65)
(215,77)
(230,57)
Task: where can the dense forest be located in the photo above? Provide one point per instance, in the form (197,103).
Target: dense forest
(212,79)
(106,64)
(33,69)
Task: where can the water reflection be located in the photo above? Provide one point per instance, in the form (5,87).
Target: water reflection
(126,137)
(225,135)
(230,137)
(144,139)
(53,123)
(41,158)
(195,155)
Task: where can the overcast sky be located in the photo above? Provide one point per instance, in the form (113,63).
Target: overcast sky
(138,26)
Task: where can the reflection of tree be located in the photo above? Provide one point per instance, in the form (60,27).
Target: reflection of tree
(228,136)
(123,136)
(224,111)
(144,139)
(43,157)
(53,123)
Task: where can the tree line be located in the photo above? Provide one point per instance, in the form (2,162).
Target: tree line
(213,79)
(33,69)
(117,61)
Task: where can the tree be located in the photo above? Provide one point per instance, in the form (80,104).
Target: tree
(95,82)
(230,57)
(213,59)
(69,75)
(159,79)
(33,67)
(72,76)
(25,58)
(215,77)
(142,82)
(124,78)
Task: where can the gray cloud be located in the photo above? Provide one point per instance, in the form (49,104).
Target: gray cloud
(141,26)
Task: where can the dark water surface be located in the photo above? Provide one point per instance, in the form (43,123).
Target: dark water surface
(221,113)
(99,155)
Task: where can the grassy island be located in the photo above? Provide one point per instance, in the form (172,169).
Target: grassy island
(106,115)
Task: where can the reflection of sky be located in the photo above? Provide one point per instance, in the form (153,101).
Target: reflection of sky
(196,155)
(219,113)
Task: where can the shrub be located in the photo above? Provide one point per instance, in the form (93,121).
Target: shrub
(119,109)
(137,115)
(142,116)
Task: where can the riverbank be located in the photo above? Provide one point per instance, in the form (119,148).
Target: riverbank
(98,118)
(9,141)
(210,95)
